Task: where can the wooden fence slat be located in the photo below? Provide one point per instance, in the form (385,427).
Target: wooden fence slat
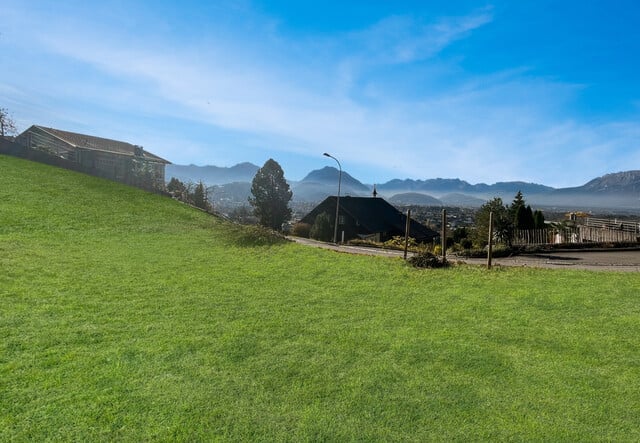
(580,234)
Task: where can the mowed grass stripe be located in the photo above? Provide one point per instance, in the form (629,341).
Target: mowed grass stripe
(128,316)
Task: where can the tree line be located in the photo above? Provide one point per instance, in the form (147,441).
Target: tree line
(193,194)
(270,195)
(506,218)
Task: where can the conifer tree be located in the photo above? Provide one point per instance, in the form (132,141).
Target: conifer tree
(270,196)
(538,220)
(502,222)
(523,218)
(200,197)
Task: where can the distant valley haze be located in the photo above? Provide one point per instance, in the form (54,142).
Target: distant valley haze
(613,191)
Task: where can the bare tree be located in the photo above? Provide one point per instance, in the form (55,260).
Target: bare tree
(7,125)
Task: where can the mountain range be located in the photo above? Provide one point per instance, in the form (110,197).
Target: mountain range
(612,191)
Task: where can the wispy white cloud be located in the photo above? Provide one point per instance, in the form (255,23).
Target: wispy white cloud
(501,126)
(405,39)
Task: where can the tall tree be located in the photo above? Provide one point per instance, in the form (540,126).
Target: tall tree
(518,202)
(7,125)
(538,219)
(271,195)
(502,222)
(523,218)
(199,196)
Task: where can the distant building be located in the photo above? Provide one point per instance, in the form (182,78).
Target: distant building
(112,159)
(369,218)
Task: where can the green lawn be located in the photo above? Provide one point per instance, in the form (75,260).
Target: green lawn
(129,316)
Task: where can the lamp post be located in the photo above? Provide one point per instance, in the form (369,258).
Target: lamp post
(335,228)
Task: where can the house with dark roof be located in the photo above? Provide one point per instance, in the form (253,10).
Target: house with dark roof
(369,218)
(112,159)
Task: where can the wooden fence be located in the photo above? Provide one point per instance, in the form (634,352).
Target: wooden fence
(630,233)
(535,236)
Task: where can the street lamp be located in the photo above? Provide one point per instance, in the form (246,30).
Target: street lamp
(335,228)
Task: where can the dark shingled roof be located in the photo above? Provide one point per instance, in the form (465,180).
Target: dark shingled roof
(374,215)
(100,144)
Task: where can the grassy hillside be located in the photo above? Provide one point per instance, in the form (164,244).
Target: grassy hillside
(128,316)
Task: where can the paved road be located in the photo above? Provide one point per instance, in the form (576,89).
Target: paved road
(348,249)
(605,260)
(609,260)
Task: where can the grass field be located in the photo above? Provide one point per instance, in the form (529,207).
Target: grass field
(129,316)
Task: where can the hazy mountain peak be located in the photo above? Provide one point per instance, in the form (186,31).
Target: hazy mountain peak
(626,181)
(329,175)
(212,175)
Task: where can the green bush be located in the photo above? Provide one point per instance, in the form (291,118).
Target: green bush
(397,242)
(301,230)
(427,260)
(466,243)
(256,235)
(497,251)
(322,228)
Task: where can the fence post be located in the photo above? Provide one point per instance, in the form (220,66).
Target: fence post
(490,246)
(406,233)
(444,236)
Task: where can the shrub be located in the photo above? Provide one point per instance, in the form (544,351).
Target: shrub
(397,242)
(256,235)
(466,243)
(427,260)
(322,228)
(363,242)
(301,230)
(497,251)
(459,234)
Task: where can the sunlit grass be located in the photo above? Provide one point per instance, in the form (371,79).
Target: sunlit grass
(128,316)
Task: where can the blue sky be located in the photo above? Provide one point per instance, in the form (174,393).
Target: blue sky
(541,91)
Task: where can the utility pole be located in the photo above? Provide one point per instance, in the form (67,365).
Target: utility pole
(335,228)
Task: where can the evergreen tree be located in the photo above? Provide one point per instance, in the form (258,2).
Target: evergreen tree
(538,220)
(529,222)
(523,218)
(518,202)
(199,197)
(270,196)
(176,187)
(502,222)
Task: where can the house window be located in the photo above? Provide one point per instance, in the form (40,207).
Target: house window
(341,220)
